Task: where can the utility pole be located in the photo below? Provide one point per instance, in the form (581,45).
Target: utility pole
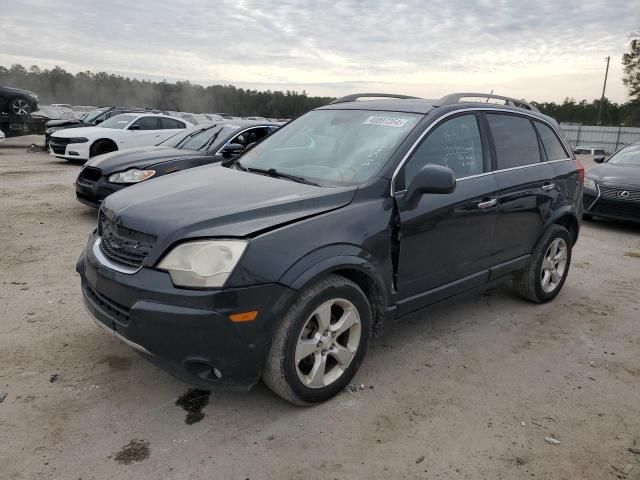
(604,87)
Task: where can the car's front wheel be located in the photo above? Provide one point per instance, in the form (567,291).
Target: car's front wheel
(101,147)
(19,106)
(547,271)
(320,342)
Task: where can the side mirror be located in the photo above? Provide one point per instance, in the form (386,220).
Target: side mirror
(599,159)
(231,149)
(430,179)
(134,127)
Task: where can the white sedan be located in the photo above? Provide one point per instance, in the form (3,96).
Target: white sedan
(1,136)
(128,130)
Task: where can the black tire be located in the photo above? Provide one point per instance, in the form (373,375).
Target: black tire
(281,373)
(101,147)
(528,283)
(19,106)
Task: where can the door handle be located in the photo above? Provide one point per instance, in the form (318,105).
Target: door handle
(488,204)
(548,186)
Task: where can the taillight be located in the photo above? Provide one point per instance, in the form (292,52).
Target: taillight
(580,168)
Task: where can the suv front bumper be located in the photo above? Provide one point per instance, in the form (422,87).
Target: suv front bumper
(186,332)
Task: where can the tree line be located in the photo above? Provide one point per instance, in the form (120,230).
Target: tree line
(56,85)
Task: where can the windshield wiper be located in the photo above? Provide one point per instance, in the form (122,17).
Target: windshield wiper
(211,140)
(272,172)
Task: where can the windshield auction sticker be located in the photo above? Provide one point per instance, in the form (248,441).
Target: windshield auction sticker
(385,121)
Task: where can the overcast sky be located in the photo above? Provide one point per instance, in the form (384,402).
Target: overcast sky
(536,49)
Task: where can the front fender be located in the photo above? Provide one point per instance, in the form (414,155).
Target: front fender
(334,258)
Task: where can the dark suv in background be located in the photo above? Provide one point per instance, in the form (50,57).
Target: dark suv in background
(15,101)
(279,264)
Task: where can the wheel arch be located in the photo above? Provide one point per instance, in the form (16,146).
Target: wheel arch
(568,219)
(355,268)
(95,142)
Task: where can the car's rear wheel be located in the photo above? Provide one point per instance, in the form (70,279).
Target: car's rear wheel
(19,106)
(544,277)
(320,343)
(101,147)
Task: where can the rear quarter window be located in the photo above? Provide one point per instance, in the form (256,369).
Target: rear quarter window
(551,143)
(515,140)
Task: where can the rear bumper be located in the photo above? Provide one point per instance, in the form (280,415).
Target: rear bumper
(186,332)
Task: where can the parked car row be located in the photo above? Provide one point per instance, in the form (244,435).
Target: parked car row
(195,146)
(278,263)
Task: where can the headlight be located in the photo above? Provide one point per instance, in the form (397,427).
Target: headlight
(131,176)
(78,140)
(590,183)
(204,263)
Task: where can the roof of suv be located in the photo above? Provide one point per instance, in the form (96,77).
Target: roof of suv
(402,103)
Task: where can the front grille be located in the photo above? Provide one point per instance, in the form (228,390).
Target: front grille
(60,141)
(123,245)
(617,208)
(618,193)
(119,312)
(91,174)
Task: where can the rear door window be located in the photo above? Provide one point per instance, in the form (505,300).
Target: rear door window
(171,124)
(551,143)
(515,140)
(456,144)
(147,123)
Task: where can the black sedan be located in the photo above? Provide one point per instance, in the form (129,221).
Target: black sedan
(16,101)
(612,188)
(195,146)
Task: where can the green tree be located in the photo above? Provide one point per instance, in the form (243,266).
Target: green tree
(631,63)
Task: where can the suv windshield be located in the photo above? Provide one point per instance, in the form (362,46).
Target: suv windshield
(91,116)
(333,146)
(118,122)
(629,156)
(198,137)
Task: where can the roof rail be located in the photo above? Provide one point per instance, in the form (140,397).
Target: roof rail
(457,98)
(356,96)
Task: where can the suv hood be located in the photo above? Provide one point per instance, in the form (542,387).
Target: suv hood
(619,174)
(214,201)
(139,158)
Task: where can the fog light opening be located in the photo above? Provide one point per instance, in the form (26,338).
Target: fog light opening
(217,373)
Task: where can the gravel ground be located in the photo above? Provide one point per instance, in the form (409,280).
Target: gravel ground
(465,390)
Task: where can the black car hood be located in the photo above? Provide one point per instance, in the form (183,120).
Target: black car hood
(615,174)
(18,91)
(215,201)
(142,157)
(68,122)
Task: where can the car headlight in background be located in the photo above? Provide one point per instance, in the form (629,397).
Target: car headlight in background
(203,263)
(590,183)
(131,176)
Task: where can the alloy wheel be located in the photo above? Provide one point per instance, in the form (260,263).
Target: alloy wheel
(554,264)
(328,343)
(20,107)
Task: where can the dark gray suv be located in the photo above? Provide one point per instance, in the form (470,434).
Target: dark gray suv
(278,265)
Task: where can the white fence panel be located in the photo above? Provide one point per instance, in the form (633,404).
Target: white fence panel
(609,138)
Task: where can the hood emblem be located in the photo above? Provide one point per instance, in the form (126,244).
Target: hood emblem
(623,194)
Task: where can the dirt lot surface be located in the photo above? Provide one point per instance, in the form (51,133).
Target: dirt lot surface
(467,390)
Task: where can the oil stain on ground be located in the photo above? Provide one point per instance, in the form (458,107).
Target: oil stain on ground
(193,402)
(135,451)
(116,363)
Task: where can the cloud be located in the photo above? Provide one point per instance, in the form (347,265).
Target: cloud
(548,48)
